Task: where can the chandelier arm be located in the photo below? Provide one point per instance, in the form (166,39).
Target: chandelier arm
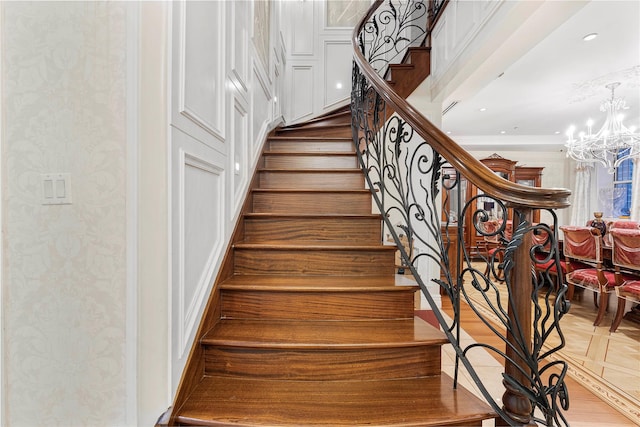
(612,144)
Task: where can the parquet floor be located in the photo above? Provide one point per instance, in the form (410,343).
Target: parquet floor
(615,357)
(586,409)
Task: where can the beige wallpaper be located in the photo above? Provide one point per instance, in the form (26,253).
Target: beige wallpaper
(345,13)
(262,29)
(63,80)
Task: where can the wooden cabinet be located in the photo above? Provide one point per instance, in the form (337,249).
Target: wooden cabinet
(531,177)
(507,169)
(504,168)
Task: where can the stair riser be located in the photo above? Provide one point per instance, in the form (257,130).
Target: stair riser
(302,146)
(361,231)
(329,161)
(421,59)
(312,203)
(316,305)
(341,131)
(314,262)
(312,180)
(397,72)
(324,365)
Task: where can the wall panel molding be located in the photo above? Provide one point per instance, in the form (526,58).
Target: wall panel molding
(301,91)
(303,34)
(240,32)
(201,237)
(261,104)
(335,72)
(240,158)
(220,109)
(200,89)
(317,57)
(457,30)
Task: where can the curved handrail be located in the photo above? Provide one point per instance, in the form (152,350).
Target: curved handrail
(412,186)
(472,169)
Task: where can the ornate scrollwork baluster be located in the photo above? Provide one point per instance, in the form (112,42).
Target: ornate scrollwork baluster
(521,305)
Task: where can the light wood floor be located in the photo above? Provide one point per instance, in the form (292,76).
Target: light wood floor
(585,408)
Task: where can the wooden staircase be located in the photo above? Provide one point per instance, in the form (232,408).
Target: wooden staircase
(406,76)
(307,325)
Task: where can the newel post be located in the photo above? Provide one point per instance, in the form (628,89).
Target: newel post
(515,403)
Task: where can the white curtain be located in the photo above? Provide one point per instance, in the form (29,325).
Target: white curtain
(581,207)
(635,190)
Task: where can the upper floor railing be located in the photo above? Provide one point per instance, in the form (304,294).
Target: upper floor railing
(416,173)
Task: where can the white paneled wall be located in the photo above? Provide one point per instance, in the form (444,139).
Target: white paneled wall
(221,107)
(318,63)
(456,29)
(336,71)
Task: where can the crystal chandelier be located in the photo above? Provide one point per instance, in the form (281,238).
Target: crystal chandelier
(612,144)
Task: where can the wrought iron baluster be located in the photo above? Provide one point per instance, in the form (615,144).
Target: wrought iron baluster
(408,183)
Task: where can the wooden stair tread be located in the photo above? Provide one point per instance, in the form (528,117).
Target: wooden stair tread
(308,170)
(309,190)
(315,126)
(315,283)
(423,401)
(308,215)
(310,153)
(309,138)
(313,246)
(324,334)
(402,66)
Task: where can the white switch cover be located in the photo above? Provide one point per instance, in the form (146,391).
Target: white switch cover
(56,189)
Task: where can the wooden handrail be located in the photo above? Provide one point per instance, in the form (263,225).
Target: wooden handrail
(472,169)
(406,182)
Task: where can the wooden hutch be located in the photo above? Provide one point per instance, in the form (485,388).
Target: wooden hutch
(505,168)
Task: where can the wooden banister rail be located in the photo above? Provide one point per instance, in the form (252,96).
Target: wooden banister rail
(403,156)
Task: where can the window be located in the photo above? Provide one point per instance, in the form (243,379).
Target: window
(622,180)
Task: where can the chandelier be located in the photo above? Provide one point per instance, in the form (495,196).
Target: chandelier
(612,144)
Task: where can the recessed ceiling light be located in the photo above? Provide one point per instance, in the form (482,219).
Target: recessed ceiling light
(503,132)
(483,109)
(590,37)
(448,132)
(557,132)
(339,85)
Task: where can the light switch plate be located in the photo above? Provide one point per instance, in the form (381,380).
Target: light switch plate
(56,188)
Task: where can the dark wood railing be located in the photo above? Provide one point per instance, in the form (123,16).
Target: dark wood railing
(413,170)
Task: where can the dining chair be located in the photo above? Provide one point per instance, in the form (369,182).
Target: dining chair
(584,245)
(542,241)
(625,256)
(623,223)
(491,245)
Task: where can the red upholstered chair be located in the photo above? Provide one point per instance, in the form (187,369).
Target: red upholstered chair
(490,246)
(625,255)
(584,245)
(626,224)
(541,238)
